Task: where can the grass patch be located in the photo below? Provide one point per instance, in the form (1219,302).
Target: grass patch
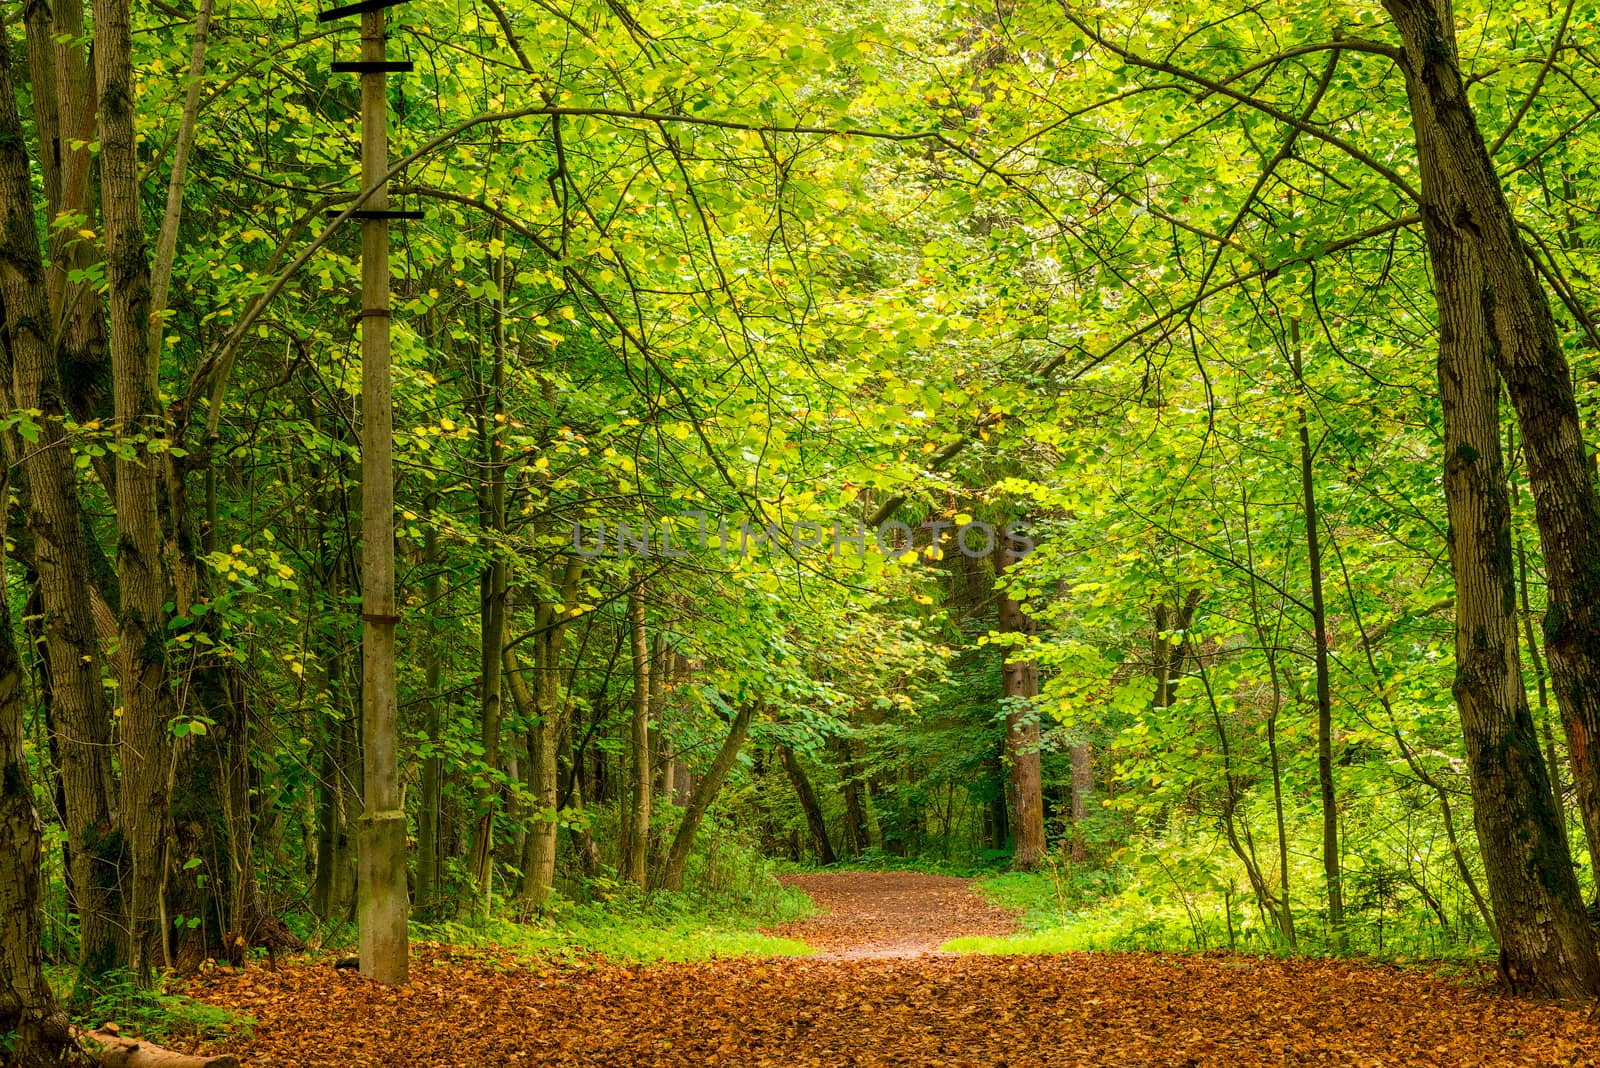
(626,927)
(153,1013)
(1167,908)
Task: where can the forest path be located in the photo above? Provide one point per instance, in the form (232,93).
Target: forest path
(880,993)
(883,915)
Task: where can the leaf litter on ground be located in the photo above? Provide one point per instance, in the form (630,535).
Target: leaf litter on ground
(880,995)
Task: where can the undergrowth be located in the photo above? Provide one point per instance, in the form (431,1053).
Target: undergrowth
(156,1013)
(1186,901)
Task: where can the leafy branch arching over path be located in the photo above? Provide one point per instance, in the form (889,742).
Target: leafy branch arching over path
(933,1010)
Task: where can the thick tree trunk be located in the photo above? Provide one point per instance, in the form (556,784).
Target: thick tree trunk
(705,792)
(114,1051)
(637,838)
(64,115)
(58,527)
(1493,319)
(36,1029)
(1483,270)
(147,707)
(815,824)
(1020,682)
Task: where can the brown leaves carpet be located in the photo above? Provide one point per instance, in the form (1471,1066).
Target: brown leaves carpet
(871,1002)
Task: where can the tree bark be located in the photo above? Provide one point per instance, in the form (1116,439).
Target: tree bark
(1494,320)
(111,1050)
(147,707)
(705,792)
(815,824)
(1020,682)
(65,116)
(37,1028)
(58,527)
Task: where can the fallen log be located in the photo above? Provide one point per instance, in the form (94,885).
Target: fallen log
(108,1049)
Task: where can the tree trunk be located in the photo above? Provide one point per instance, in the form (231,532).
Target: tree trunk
(637,838)
(35,1029)
(428,843)
(1020,680)
(809,805)
(705,792)
(113,1051)
(541,707)
(64,115)
(1082,757)
(147,707)
(58,527)
(1493,318)
(1319,632)
(857,838)
(1499,310)
(492,428)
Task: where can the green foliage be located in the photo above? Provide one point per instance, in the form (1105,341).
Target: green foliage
(153,1012)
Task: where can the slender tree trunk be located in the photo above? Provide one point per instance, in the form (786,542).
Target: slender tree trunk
(1493,319)
(541,707)
(1020,680)
(428,866)
(1082,757)
(492,593)
(61,558)
(1319,633)
(634,867)
(855,815)
(1269,642)
(36,1030)
(705,792)
(815,824)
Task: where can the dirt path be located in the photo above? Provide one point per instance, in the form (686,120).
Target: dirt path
(882,995)
(886,915)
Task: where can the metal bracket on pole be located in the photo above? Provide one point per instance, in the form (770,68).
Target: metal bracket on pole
(369,213)
(363,66)
(360,8)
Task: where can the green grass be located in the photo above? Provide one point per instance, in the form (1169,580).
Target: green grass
(151,1013)
(663,927)
(1067,909)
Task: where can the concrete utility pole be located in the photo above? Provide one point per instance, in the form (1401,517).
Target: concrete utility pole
(383,903)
